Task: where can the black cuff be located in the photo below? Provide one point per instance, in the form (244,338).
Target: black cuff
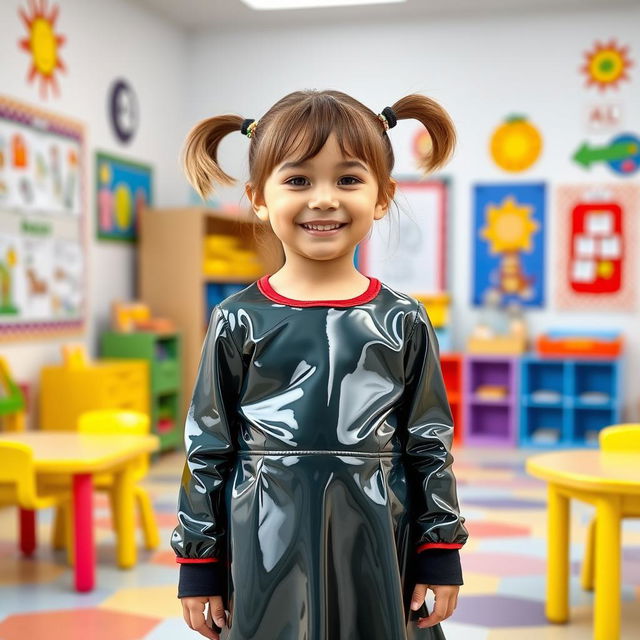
(202,579)
(438,566)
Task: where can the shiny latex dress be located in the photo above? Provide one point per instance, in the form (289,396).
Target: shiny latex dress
(318,464)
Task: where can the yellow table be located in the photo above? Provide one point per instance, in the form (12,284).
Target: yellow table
(79,456)
(611,482)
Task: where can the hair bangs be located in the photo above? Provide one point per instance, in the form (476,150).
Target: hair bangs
(299,132)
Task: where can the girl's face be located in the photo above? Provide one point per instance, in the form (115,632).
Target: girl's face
(328,188)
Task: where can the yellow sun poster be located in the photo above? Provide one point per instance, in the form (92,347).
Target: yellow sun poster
(606,65)
(42,43)
(508,243)
(42,217)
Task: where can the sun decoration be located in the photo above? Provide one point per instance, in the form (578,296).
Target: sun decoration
(43,43)
(509,227)
(606,65)
(516,144)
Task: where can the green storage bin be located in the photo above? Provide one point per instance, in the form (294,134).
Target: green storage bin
(164,354)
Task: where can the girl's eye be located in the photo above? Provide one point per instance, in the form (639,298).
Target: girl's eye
(351,178)
(290,181)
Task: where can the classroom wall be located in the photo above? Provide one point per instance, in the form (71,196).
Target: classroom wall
(105,40)
(481,69)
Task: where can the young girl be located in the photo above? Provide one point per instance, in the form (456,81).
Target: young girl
(317,500)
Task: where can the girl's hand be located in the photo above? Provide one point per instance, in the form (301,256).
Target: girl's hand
(193,611)
(445,602)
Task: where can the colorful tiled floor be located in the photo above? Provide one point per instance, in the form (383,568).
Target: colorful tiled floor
(504,565)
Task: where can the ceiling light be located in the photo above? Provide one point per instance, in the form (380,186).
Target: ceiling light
(265,5)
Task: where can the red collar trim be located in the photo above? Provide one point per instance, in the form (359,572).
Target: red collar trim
(267,290)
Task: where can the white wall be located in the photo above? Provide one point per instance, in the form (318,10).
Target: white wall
(105,40)
(481,70)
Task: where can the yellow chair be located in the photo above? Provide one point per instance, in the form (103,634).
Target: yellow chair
(118,422)
(18,487)
(617,437)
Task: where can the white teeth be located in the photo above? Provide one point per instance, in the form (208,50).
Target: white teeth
(321,227)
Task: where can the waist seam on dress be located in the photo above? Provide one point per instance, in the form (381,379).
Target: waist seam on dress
(294,452)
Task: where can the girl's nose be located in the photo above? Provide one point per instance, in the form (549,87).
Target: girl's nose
(323,198)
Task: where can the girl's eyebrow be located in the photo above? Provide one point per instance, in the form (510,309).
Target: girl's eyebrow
(347,164)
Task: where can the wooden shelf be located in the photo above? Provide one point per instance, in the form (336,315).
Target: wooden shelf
(226,280)
(170,270)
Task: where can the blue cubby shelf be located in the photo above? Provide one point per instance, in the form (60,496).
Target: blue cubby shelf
(566,402)
(216,292)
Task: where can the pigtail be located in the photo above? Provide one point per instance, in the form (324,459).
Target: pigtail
(200,153)
(437,122)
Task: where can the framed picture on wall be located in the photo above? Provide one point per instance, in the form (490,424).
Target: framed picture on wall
(408,251)
(597,235)
(508,243)
(42,222)
(123,188)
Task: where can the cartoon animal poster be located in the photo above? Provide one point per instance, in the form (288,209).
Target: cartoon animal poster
(508,243)
(597,240)
(42,216)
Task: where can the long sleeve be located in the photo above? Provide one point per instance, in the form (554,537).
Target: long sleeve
(427,427)
(199,540)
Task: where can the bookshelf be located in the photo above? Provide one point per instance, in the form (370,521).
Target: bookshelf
(171,275)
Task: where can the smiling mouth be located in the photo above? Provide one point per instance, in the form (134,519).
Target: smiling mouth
(323,232)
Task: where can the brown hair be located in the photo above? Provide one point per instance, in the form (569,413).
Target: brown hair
(297,127)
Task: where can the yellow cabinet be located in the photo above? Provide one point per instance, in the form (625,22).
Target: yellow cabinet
(66,392)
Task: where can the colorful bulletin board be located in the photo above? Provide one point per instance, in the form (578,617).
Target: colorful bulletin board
(42,217)
(123,189)
(597,240)
(408,252)
(508,243)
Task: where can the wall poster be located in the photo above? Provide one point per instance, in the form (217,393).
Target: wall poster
(597,239)
(42,218)
(408,251)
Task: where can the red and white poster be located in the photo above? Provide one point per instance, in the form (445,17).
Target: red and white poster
(597,240)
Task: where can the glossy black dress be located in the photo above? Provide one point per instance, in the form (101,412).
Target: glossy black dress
(318,463)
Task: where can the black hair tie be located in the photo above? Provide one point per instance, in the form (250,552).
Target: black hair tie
(389,118)
(245,130)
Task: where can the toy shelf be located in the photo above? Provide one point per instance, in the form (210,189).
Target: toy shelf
(490,400)
(479,402)
(67,391)
(451,365)
(566,402)
(163,352)
(172,278)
